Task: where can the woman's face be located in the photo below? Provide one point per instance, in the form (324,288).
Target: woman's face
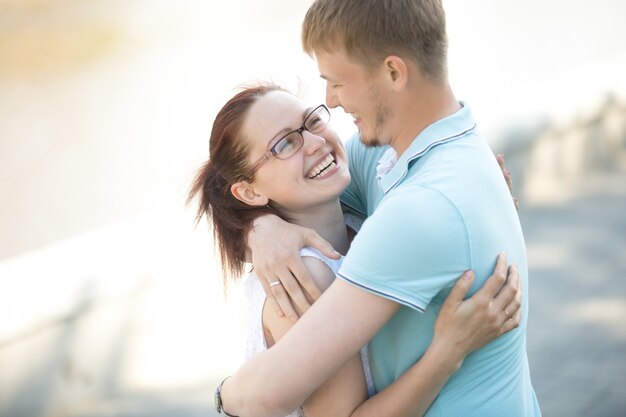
(317,173)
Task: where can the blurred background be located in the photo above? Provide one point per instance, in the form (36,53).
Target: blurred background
(110,299)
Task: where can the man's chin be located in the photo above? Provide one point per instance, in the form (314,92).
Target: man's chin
(370,142)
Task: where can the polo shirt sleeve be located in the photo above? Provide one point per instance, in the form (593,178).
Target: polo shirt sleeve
(362,162)
(415,245)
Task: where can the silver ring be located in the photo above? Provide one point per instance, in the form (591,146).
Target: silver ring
(274,283)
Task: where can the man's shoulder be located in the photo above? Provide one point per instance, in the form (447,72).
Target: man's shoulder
(416,200)
(417,214)
(410,248)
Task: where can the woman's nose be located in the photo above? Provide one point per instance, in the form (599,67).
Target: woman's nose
(312,142)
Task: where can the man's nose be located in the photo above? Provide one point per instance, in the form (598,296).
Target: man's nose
(332,100)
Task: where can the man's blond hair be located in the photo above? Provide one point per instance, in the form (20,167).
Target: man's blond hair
(371,30)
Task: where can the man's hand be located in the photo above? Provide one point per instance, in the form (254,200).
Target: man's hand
(507,178)
(275,246)
(466,325)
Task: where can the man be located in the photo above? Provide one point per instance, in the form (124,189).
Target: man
(437,206)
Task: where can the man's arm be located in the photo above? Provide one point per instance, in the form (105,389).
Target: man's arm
(280,261)
(280,379)
(462,326)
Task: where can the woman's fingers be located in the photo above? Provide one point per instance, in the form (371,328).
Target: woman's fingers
(511,323)
(494,283)
(459,291)
(507,177)
(509,298)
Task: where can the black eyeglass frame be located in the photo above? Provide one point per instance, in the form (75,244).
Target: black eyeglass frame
(272,149)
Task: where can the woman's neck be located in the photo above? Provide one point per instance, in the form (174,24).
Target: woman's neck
(327,220)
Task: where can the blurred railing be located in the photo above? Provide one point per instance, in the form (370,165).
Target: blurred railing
(547,157)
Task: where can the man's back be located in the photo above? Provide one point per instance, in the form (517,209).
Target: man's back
(444,208)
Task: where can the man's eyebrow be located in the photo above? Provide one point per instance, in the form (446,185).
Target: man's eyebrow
(286,130)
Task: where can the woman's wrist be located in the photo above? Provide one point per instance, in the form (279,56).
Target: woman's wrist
(447,357)
(219,399)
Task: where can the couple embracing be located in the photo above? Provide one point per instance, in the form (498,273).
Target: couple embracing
(394,332)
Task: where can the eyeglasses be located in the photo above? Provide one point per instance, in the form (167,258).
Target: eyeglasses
(288,145)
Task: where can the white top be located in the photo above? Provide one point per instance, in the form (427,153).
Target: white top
(256,339)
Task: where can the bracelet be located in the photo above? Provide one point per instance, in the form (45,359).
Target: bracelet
(218,399)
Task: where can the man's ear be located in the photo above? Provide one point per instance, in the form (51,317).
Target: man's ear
(396,72)
(244,192)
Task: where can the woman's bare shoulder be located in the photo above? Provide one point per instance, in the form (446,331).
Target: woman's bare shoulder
(320,272)
(277,325)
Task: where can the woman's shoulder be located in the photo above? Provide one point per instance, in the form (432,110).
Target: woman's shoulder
(310,252)
(322,273)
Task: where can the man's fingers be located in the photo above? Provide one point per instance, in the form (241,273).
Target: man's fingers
(298,299)
(496,280)
(294,297)
(312,239)
(271,302)
(282,304)
(460,289)
(274,284)
(300,271)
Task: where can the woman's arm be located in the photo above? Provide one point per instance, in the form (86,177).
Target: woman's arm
(461,327)
(347,387)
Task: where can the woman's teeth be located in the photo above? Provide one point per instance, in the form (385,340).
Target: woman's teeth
(323,167)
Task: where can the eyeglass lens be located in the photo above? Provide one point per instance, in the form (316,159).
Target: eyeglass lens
(315,122)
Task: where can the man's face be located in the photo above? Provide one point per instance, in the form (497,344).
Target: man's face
(360,92)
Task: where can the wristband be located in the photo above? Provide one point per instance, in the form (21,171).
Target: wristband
(218,400)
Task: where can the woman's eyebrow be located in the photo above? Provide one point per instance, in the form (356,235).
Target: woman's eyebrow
(286,130)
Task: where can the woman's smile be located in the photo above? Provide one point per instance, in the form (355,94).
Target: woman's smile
(323,168)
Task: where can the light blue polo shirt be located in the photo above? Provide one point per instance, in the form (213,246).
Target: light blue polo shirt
(443,208)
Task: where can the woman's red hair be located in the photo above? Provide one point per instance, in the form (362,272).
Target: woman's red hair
(229,218)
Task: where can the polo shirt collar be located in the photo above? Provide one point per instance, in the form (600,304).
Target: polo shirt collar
(445,130)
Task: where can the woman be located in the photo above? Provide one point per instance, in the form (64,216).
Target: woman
(262,162)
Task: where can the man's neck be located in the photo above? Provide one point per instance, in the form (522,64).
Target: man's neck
(423,107)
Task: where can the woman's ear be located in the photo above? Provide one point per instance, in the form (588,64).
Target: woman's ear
(397,72)
(244,192)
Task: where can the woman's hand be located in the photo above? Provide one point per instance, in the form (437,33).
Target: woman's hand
(507,177)
(463,326)
(275,245)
